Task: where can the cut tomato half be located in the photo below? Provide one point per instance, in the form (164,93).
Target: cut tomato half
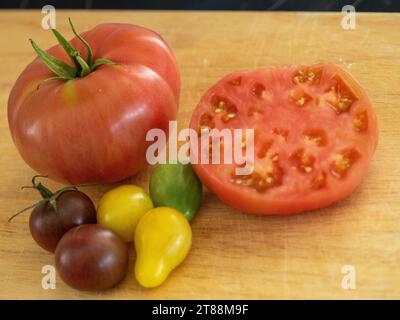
(315,132)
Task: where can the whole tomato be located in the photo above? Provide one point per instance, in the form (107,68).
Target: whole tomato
(79,112)
(49,221)
(90,257)
(56,213)
(121,208)
(176,185)
(163,238)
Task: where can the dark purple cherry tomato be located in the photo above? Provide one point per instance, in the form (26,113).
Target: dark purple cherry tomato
(57,213)
(90,257)
(48,225)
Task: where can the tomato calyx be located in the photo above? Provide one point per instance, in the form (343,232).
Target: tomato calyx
(47,195)
(63,70)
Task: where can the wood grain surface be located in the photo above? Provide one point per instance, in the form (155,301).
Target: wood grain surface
(235,255)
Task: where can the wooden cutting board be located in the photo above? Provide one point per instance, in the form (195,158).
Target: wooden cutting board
(235,255)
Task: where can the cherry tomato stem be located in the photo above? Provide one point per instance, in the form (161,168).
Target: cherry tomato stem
(46,193)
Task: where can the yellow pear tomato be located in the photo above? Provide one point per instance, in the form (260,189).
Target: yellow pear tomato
(163,238)
(120,210)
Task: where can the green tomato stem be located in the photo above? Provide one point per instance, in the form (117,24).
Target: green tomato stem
(44,192)
(63,70)
(47,195)
(88,49)
(85,69)
(27,208)
(59,67)
(69,49)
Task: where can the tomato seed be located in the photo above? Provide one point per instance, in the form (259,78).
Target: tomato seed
(220,107)
(228,116)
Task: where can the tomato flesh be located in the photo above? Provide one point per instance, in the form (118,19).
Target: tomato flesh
(315,132)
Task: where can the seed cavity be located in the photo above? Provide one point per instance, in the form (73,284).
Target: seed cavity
(299,97)
(258,90)
(224,107)
(206,122)
(264,147)
(341,97)
(303,161)
(282,133)
(360,122)
(253,110)
(319,181)
(316,136)
(228,116)
(343,161)
(261,182)
(308,75)
(219,107)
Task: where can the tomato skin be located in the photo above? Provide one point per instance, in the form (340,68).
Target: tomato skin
(47,226)
(121,208)
(90,257)
(93,129)
(163,239)
(294,193)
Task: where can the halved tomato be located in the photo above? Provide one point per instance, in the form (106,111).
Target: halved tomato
(315,132)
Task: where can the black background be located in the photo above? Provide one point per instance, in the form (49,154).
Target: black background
(289,5)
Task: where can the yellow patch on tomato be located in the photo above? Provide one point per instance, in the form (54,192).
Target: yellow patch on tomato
(68,93)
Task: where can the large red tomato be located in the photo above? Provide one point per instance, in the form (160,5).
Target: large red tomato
(93,128)
(315,134)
